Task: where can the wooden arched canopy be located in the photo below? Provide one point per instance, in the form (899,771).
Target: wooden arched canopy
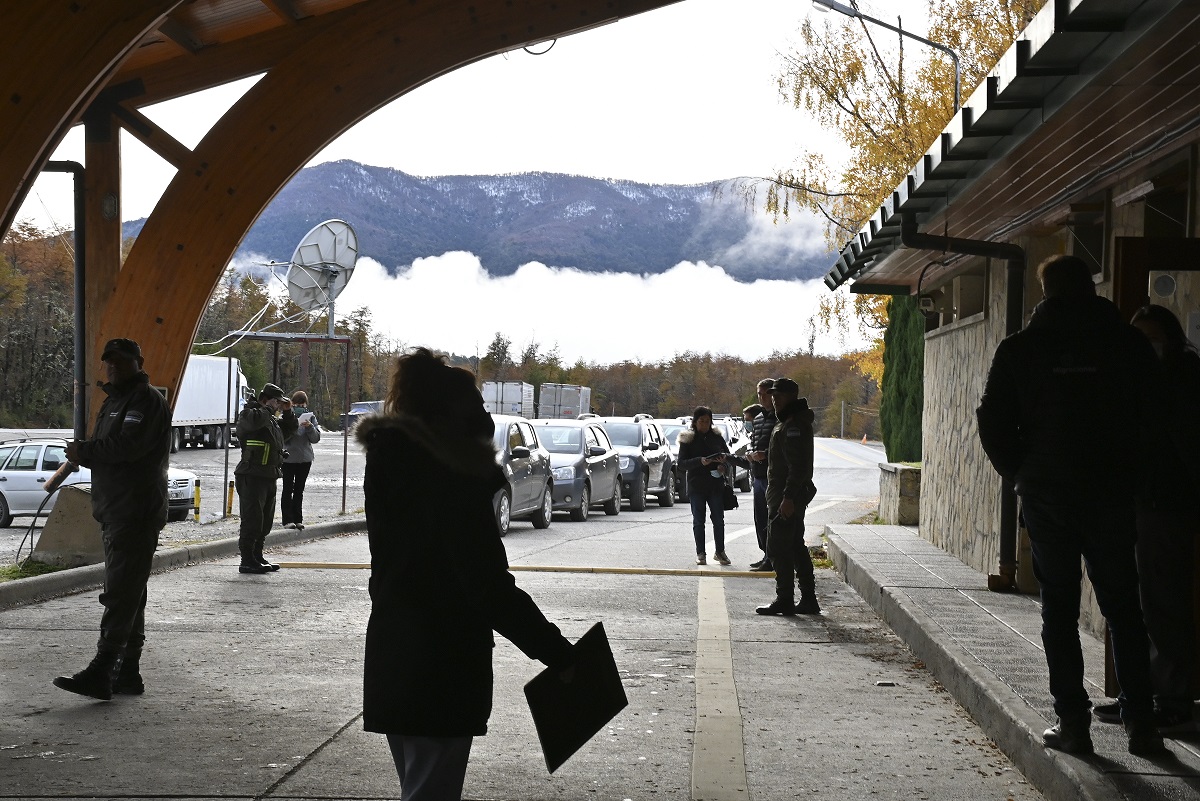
(326,65)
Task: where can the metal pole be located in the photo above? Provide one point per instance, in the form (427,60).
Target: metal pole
(843,436)
(346,430)
(79,394)
(228,425)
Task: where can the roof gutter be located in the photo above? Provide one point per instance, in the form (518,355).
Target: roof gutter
(1014,314)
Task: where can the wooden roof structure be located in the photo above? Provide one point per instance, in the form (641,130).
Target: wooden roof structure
(326,64)
(1088,93)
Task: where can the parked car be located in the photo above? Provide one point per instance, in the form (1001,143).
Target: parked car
(647,467)
(358,410)
(526,465)
(26,464)
(670,428)
(734,432)
(584,465)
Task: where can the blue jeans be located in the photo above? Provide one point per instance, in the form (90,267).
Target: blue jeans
(714,500)
(760,512)
(1104,537)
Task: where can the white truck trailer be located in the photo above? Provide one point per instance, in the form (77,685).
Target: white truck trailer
(208,403)
(563,401)
(508,397)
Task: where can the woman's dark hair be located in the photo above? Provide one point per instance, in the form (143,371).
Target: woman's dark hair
(1168,323)
(700,411)
(300,398)
(423,384)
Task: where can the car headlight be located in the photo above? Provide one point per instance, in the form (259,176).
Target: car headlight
(563,473)
(624,462)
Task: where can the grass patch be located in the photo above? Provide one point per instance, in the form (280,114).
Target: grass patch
(27,569)
(910,464)
(820,558)
(869,519)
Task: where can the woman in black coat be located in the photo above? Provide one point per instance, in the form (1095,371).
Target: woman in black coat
(702,453)
(440,583)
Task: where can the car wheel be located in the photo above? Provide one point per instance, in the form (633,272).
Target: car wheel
(744,484)
(637,494)
(613,505)
(667,497)
(219,437)
(585,500)
(5,518)
(541,518)
(503,512)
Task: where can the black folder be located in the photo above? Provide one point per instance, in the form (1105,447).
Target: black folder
(568,714)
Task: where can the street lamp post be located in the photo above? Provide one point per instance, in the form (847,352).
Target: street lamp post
(832,5)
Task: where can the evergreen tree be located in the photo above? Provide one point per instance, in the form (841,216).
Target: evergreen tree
(903,380)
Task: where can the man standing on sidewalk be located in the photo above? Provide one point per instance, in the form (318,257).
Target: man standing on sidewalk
(760,438)
(789,490)
(258,471)
(128,455)
(1060,418)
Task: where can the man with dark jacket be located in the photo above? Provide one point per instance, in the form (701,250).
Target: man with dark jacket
(790,488)
(262,438)
(1060,418)
(760,439)
(128,456)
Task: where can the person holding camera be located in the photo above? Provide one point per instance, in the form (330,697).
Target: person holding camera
(298,461)
(262,437)
(702,453)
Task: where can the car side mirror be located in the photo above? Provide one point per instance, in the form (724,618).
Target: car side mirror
(596,450)
(653,446)
(520,452)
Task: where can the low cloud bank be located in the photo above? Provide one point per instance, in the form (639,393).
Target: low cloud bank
(451,303)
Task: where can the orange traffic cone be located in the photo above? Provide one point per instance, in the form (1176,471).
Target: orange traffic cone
(864,439)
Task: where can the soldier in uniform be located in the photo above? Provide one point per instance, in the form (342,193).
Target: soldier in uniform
(257,473)
(128,456)
(790,488)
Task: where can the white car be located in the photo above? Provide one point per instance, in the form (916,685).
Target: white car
(26,465)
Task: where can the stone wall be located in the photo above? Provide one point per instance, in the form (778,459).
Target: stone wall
(960,493)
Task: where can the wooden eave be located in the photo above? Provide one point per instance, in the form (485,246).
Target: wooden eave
(1087,93)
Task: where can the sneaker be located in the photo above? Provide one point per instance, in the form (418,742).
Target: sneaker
(721,558)
(700,559)
(1107,713)
(764,566)
(1144,739)
(1070,738)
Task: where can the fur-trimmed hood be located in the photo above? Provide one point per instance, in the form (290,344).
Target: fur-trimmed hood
(686,436)
(460,454)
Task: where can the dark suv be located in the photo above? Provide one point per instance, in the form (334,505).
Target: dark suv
(647,467)
(526,465)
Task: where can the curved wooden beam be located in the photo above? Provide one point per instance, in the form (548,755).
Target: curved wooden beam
(375,53)
(39,97)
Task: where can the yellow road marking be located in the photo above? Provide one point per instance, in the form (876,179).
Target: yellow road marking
(629,571)
(718,750)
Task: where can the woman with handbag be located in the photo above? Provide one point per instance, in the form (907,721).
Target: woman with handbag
(703,453)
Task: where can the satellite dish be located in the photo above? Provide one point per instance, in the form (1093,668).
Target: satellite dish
(322,265)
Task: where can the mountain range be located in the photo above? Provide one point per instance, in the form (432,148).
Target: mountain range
(590,224)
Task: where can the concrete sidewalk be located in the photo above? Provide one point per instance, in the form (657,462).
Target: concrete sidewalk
(985,648)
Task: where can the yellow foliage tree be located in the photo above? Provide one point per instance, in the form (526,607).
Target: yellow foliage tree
(858,81)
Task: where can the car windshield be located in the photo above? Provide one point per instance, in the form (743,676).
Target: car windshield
(561,439)
(628,434)
(671,432)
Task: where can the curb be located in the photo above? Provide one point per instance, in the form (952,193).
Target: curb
(80,579)
(1000,712)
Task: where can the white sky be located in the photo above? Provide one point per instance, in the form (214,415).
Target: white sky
(684,94)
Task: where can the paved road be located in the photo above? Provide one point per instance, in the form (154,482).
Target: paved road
(255,682)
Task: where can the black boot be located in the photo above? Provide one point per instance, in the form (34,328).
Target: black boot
(129,678)
(95,680)
(780,606)
(262,560)
(1071,734)
(808,602)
